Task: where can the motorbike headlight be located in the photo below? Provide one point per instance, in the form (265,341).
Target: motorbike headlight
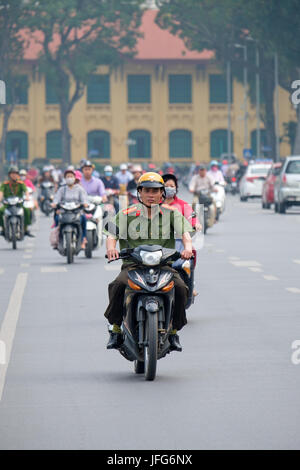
(151,258)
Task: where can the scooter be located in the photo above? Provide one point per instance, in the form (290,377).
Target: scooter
(14,229)
(186,270)
(209,209)
(148,307)
(29,203)
(70,231)
(219,198)
(46,197)
(94,216)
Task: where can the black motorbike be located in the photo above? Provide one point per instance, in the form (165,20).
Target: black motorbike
(206,199)
(14,229)
(70,231)
(46,197)
(148,307)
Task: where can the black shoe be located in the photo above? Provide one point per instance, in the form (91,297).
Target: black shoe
(2,233)
(115,340)
(175,343)
(28,234)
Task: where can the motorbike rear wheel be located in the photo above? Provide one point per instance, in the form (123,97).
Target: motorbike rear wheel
(69,247)
(89,246)
(150,350)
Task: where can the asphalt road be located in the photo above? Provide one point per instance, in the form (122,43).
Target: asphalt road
(234,386)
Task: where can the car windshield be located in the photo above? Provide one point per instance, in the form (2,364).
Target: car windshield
(259,170)
(293,167)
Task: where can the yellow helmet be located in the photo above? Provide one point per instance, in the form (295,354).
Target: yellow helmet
(151,180)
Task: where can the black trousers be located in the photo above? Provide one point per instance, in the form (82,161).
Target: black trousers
(116,291)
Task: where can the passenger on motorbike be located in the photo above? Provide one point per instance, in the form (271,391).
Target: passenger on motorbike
(215,173)
(72,192)
(14,187)
(148,223)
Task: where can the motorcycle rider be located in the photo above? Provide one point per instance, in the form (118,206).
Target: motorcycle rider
(93,186)
(111,185)
(124,176)
(157,224)
(72,192)
(136,173)
(14,187)
(28,183)
(201,182)
(215,173)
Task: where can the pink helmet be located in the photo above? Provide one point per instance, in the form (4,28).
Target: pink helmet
(78,175)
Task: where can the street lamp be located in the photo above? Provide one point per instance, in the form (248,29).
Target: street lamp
(228,81)
(258,144)
(277,156)
(245,95)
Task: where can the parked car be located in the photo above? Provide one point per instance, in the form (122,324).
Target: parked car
(252,182)
(287,185)
(268,186)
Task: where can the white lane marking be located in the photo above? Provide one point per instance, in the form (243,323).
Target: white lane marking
(54,269)
(269,277)
(9,325)
(1,270)
(25,265)
(256,270)
(297,261)
(27,256)
(293,290)
(29,245)
(233,258)
(111,267)
(28,251)
(246,264)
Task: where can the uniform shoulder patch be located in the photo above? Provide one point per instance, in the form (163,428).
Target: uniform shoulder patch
(130,210)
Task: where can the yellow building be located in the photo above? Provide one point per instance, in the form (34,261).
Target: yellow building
(166,104)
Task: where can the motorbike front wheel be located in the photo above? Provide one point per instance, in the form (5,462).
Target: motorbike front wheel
(150,350)
(13,229)
(69,247)
(47,207)
(89,245)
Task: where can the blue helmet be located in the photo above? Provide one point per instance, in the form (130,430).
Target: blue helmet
(214,163)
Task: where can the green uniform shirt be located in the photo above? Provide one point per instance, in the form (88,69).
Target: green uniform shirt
(11,189)
(132,227)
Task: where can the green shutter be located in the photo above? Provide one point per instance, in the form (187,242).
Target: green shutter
(180,88)
(218,143)
(218,89)
(98,89)
(180,144)
(98,144)
(16,146)
(139,88)
(142,146)
(51,95)
(54,144)
(20,85)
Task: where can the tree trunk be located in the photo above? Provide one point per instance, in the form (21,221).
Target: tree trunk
(65,134)
(6,115)
(296,149)
(268,88)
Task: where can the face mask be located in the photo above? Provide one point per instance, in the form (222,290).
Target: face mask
(70,181)
(108,173)
(170,192)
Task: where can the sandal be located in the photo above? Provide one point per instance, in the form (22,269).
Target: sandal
(83,244)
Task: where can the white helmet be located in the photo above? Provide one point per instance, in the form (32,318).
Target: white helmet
(123,166)
(108,168)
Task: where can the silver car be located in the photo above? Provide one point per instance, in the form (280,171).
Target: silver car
(287,185)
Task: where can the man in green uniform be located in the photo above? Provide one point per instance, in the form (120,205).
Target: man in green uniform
(14,187)
(147,223)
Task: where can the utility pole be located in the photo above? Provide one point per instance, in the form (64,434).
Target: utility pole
(228,81)
(277,155)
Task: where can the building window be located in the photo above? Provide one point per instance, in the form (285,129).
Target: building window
(98,144)
(218,89)
(54,145)
(16,146)
(139,144)
(180,88)
(264,150)
(139,88)
(180,144)
(218,143)
(98,89)
(20,91)
(51,95)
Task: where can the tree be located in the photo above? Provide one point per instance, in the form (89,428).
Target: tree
(12,15)
(75,37)
(220,24)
